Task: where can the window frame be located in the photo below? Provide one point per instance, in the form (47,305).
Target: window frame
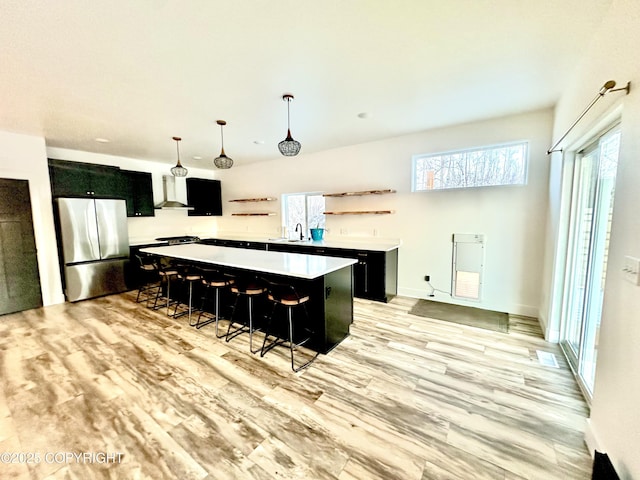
(285,213)
(415,159)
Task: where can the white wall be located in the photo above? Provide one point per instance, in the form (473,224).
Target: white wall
(24,157)
(614,426)
(512,218)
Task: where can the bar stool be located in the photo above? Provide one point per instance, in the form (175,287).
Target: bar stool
(187,276)
(216,280)
(167,272)
(150,280)
(288,297)
(251,288)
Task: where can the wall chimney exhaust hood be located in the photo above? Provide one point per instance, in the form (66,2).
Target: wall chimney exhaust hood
(170,199)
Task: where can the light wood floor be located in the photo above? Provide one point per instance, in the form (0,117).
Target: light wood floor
(403,397)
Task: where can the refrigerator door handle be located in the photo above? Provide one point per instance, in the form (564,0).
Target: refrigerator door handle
(79,230)
(112,228)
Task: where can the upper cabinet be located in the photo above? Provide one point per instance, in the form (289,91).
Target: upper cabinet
(75,179)
(205,196)
(139,194)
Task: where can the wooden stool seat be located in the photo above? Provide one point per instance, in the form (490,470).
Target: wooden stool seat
(288,300)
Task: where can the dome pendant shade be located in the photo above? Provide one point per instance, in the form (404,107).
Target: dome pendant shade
(289,147)
(178,170)
(222,161)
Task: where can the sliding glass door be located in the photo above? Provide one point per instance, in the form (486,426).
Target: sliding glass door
(594,179)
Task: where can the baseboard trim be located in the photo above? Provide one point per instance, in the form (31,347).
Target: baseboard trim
(591,439)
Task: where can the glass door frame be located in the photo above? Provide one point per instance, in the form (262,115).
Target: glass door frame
(586,335)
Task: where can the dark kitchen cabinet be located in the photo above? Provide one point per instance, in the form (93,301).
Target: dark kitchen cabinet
(369,275)
(205,196)
(139,194)
(76,179)
(235,243)
(375,275)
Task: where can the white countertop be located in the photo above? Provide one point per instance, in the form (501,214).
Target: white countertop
(371,244)
(279,263)
(381,245)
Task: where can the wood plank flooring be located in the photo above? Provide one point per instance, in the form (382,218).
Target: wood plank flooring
(403,397)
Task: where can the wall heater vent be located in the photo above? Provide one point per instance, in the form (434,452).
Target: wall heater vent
(468,264)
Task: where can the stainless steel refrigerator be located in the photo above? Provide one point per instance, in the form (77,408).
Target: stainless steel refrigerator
(95,246)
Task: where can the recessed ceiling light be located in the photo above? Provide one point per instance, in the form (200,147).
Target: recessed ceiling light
(102,140)
(259,142)
(197,157)
(364,115)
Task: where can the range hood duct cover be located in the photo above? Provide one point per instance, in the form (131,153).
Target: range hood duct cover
(169,191)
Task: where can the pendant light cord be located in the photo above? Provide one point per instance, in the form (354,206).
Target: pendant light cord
(178,151)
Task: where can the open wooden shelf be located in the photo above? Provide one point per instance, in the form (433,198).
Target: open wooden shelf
(354,194)
(253,214)
(246,200)
(361,212)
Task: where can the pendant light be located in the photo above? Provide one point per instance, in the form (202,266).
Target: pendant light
(289,147)
(178,170)
(222,161)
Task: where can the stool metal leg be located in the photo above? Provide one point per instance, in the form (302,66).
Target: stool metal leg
(218,312)
(158,295)
(282,341)
(277,341)
(204,298)
(168,293)
(243,328)
(251,325)
(189,305)
(190,298)
(200,324)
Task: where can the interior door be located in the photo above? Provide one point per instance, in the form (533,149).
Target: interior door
(19,278)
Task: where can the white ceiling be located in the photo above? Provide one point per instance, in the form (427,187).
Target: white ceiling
(139,72)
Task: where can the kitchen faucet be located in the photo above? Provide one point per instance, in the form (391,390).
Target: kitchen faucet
(301,234)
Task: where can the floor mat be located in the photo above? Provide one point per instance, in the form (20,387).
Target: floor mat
(471,316)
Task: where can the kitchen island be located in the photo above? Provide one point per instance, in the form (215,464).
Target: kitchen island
(327,280)
(375,274)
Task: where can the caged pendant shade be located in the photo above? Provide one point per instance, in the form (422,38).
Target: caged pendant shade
(289,147)
(222,161)
(178,170)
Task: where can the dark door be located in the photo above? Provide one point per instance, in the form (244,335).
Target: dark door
(19,279)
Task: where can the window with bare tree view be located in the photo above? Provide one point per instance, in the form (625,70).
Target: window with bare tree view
(504,164)
(306,209)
